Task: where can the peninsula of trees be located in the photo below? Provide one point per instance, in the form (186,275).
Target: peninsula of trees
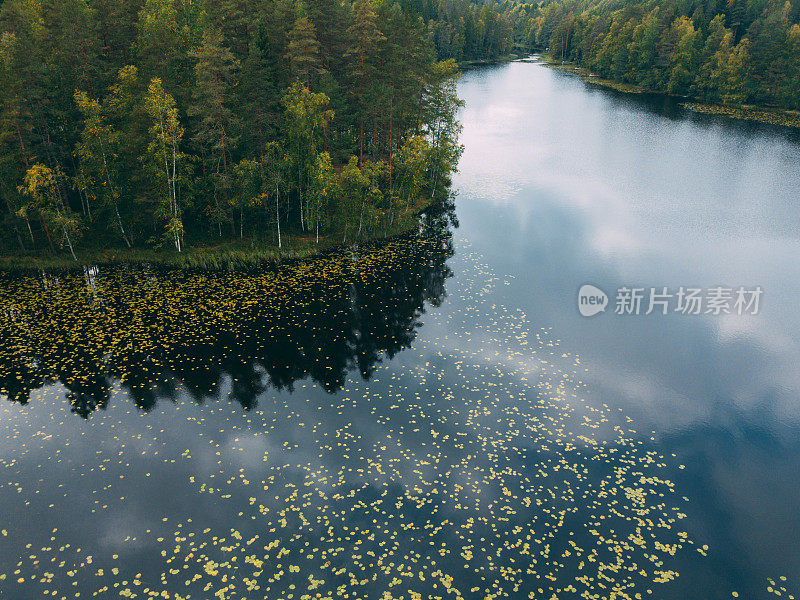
(164,123)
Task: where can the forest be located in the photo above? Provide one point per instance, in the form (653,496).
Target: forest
(166,124)
(734,51)
(729,51)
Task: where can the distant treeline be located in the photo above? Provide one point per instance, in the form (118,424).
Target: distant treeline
(736,51)
(733,51)
(466,30)
(163,122)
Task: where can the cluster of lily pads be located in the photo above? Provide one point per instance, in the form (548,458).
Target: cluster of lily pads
(468,466)
(747,113)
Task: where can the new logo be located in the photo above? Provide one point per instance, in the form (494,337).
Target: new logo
(591,300)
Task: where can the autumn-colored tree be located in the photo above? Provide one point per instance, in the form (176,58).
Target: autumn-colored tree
(98,150)
(166,159)
(269,100)
(248,189)
(322,190)
(45,196)
(306,116)
(352,185)
(411,163)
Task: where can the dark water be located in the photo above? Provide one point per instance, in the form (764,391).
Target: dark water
(434,418)
(565,183)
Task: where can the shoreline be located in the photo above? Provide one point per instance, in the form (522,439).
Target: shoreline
(485,62)
(744,112)
(232,254)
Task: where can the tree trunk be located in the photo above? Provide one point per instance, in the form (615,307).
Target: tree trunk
(178,234)
(391,107)
(69,242)
(30,231)
(361,140)
(121,228)
(83,202)
(19,238)
(300,193)
(360,218)
(277,212)
(113,197)
(49,237)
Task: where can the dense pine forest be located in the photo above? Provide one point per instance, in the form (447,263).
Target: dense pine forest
(166,123)
(733,51)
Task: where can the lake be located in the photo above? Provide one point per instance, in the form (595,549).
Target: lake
(433,416)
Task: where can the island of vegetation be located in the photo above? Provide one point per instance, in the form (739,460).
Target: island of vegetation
(140,129)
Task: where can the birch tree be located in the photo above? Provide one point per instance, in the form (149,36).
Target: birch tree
(166,135)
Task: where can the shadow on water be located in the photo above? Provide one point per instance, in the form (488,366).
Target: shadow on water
(157,331)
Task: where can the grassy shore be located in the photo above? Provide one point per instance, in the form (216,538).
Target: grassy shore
(231,254)
(746,112)
(589,77)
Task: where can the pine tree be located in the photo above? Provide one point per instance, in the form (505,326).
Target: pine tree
(162,46)
(226,86)
(216,132)
(328,18)
(303,49)
(365,39)
(257,100)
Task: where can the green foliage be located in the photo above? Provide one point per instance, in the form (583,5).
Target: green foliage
(322,191)
(741,51)
(464,30)
(216,128)
(165,123)
(165,159)
(411,162)
(303,50)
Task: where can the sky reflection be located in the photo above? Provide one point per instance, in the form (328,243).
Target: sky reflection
(599,187)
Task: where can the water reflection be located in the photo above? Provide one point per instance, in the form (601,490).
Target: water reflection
(159,331)
(454,467)
(614,189)
(485,459)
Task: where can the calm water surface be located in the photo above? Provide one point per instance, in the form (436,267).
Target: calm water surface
(434,417)
(564,183)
